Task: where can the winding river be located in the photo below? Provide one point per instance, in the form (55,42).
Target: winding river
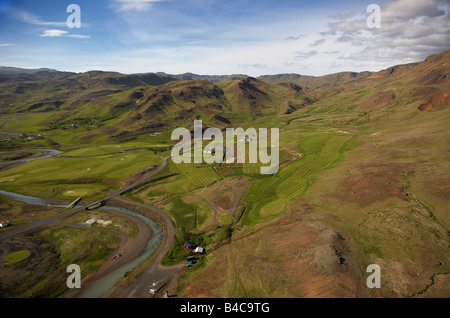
(51,153)
(105,284)
(101,287)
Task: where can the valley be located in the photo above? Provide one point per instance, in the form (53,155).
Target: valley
(363,179)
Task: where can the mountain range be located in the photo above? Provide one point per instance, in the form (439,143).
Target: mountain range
(363,176)
(124,105)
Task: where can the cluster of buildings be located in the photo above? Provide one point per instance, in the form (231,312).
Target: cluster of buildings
(191,247)
(23,137)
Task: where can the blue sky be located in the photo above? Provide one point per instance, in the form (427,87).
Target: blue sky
(253,37)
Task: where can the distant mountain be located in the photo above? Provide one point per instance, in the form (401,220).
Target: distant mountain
(159,78)
(215,79)
(124,105)
(313,82)
(18,70)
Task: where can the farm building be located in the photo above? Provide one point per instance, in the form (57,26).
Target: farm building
(199,250)
(189,246)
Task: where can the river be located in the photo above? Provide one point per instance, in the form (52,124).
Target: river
(105,284)
(102,287)
(51,153)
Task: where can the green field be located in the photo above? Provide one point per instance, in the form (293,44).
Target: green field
(269,196)
(87,248)
(84,172)
(17,257)
(363,179)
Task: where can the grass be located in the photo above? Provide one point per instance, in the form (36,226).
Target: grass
(17,257)
(186,178)
(79,176)
(18,213)
(269,196)
(84,247)
(405,233)
(119,223)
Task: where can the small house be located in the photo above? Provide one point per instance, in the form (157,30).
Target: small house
(4,223)
(189,246)
(199,250)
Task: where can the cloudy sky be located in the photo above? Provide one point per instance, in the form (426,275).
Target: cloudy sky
(253,37)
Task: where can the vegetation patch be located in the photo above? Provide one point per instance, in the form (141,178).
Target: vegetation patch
(17,257)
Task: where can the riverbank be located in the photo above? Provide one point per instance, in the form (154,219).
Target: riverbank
(137,257)
(141,280)
(123,260)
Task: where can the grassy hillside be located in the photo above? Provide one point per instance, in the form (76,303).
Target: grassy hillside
(370,184)
(363,175)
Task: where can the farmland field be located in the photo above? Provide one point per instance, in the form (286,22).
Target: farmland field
(362,179)
(82,172)
(270,195)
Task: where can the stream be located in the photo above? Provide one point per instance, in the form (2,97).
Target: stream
(102,287)
(51,153)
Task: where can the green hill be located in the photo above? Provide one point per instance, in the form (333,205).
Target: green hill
(363,176)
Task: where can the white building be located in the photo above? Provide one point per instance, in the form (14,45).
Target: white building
(199,250)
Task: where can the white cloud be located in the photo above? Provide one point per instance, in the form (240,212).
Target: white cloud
(318,42)
(410,31)
(6,44)
(27,17)
(53,33)
(139,5)
(59,33)
(304,55)
(293,38)
(410,9)
(79,36)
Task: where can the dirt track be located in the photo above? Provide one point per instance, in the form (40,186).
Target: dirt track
(154,272)
(128,250)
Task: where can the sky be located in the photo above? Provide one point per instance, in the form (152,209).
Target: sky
(222,37)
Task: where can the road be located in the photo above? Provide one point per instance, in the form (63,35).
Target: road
(38,224)
(34,225)
(154,272)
